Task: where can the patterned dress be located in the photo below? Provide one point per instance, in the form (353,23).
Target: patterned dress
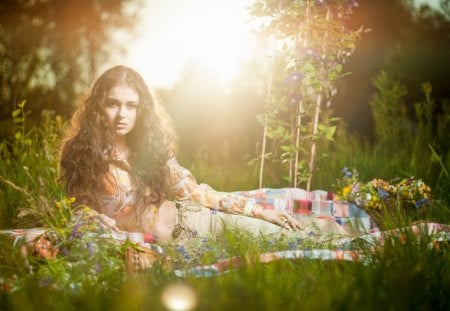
(201,209)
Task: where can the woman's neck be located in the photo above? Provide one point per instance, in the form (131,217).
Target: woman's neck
(122,147)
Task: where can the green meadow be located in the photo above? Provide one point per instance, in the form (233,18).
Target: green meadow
(404,273)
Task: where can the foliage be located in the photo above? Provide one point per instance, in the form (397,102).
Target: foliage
(50,50)
(88,273)
(77,254)
(309,43)
(28,174)
(406,273)
(406,144)
(382,199)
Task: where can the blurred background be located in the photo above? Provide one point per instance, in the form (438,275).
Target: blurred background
(203,62)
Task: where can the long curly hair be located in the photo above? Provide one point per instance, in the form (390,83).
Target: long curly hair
(89,143)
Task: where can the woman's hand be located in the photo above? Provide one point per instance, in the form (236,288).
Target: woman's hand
(281,218)
(107,222)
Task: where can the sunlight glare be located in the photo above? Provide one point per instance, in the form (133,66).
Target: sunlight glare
(179,297)
(213,34)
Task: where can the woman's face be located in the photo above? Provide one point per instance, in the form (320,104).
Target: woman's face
(121,109)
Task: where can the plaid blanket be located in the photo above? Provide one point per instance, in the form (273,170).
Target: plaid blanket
(38,241)
(317,203)
(301,203)
(343,251)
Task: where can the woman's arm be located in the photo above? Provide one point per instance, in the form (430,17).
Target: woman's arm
(185,187)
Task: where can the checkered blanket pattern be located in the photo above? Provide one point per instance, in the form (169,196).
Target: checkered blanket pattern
(317,203)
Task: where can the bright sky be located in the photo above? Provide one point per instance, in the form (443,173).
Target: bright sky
(432,3)
(212,33)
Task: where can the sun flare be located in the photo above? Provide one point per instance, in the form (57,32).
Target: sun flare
(213,34)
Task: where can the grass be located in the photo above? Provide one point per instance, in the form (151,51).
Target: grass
(405,273)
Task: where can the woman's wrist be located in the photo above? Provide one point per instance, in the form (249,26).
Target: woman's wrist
(252,209)
(257,211)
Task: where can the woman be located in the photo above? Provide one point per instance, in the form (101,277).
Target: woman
(119,159)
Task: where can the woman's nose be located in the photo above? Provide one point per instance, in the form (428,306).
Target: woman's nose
(122,111)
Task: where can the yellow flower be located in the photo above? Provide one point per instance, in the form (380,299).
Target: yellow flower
(346,191)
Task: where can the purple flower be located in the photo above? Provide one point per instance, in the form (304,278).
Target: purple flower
(181,249)
(355,188)
(346,172)
(292,245)
(420,202)
(92,248)
(383,194)
(75,233)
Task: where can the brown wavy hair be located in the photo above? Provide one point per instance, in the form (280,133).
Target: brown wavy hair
(89,143)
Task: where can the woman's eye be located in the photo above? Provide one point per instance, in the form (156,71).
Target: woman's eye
(132,106)
(111,103)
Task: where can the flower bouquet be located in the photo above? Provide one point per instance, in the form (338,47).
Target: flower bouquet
(383,200)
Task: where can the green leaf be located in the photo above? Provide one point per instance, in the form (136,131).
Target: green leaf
(22,104)
(15,113)
(330,132)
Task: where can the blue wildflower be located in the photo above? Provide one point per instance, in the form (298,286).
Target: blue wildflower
(383,194)
(75,233)
(346,172)
(182,250)
(292,245)
(92,248)
(420,202)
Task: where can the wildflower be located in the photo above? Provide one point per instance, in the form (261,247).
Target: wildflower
(292,245)
(421,202)
(383,193)
(346,172)
(92,248)
(76,233)
(346,191)
(181,249)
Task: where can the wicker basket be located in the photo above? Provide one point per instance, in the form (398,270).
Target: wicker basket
(138,259)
